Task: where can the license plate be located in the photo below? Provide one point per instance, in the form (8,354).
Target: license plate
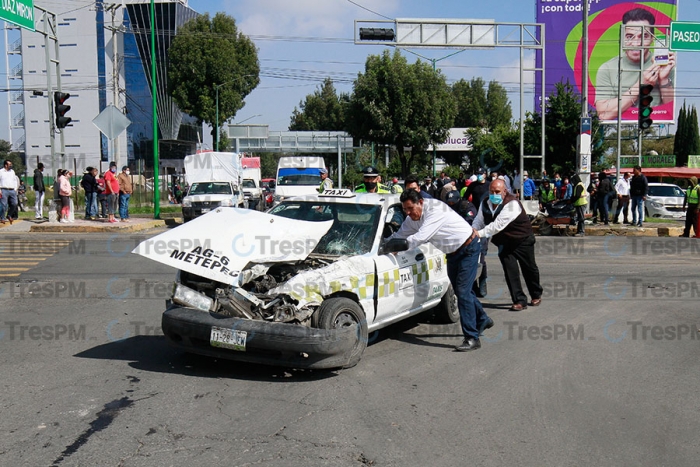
(205,210)
(228,338)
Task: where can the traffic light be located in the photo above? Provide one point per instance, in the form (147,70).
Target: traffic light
(377,34)
(644,104)
(60,108)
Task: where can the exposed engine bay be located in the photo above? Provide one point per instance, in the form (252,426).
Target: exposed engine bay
(261,294)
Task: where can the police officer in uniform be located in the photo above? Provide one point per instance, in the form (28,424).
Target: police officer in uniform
(326,183)
(370,182)
(692,199)
(578,199)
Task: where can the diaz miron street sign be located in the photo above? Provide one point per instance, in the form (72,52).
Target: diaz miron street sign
(19,12)
(685,36)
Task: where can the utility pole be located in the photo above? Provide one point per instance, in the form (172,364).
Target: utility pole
(115,75)
(584,146)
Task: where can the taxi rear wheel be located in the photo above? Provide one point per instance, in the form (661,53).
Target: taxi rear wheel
(341,312)
(447,310)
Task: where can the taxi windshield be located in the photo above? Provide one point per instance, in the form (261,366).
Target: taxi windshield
(354,225)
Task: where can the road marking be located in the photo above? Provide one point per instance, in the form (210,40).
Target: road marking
(18,256)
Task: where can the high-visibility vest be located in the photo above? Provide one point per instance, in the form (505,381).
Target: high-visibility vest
(363,189)
(582,200)
(692,194)
(547,196)
(326,184)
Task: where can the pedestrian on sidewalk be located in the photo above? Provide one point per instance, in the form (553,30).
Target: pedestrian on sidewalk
(623,198)
(89,184)
(603,194)
(639,187)
(39,191)
(126,188)
(8,191)
(112,190)
(64,192)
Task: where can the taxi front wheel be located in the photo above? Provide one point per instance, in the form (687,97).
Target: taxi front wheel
(340,312)
(447,311)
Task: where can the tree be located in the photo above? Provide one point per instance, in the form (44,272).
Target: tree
(394,103)
(15,157)
(322,110)
(681,138)
(489,149)
(208,55)
(694,144)
(562,127)
(472,106)
(498,110)
(478,107)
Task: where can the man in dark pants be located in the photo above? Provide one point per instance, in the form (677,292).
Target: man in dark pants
(502,218)
(639,187)
(578,199)
(692,199)
(431,220)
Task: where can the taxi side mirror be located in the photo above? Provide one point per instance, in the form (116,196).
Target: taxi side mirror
(396,244)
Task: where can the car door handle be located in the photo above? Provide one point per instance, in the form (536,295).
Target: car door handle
(420,257)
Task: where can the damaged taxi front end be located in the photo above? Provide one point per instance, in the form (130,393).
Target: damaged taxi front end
(250,284)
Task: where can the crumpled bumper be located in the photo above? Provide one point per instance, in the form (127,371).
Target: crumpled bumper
(280,344)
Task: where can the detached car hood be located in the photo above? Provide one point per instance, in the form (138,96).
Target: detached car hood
(219,244)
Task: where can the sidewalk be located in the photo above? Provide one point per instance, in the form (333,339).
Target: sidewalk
(650,229)
(134,224)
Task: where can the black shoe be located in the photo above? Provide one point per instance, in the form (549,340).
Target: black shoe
(482,288)
(487,325)
(468,344)
(615,222)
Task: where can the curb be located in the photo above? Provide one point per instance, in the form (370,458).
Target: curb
(121,227)
(7,223)
(620,232)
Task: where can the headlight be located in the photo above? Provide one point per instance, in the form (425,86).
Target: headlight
(656,205)
(227,202)
(191,298)
(186,203)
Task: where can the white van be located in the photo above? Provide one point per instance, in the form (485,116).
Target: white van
(298,176)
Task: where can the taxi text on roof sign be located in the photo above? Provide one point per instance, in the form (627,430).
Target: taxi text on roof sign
(338,193)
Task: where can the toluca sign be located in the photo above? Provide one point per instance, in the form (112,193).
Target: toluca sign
(457,140)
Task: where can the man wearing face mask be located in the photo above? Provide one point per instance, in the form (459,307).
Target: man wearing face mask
(503,219)
(112,190)
(479,189)
(125,190)
(370,182)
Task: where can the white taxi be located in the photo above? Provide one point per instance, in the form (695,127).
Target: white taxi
(302,285)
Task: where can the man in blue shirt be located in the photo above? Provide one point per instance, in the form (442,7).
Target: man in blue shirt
(528,186)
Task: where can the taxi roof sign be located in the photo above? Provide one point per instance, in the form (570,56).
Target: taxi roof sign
(337,193)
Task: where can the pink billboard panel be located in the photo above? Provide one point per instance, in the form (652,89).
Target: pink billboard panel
(563,20)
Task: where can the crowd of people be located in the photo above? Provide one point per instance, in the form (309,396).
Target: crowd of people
(106,195)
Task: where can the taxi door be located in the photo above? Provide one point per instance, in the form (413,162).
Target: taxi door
(402,280)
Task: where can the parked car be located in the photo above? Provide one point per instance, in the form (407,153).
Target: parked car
(665,200)
(301,285)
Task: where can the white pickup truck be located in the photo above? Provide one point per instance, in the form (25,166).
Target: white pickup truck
(214,180)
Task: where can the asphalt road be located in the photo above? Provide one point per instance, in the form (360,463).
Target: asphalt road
(604,372)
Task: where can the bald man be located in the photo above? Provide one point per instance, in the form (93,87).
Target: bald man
(502,218)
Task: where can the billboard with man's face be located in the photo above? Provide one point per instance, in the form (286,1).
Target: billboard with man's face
(644,24)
